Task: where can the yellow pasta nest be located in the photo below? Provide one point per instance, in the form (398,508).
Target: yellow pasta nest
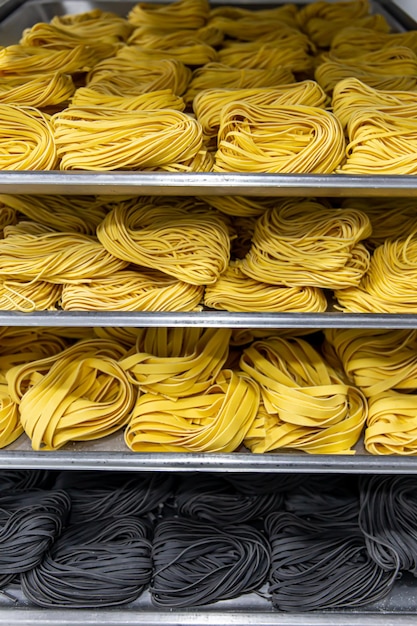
(94,25)
(234,291)
(389,284)
(24,60)
(209,104)
(380,143)
(390,218)
(389,68)
(124,76)
(251,28)
(203,161)
(243,206)
(251,54)
(220,76)
(190,52)
(42,91)
(192,245)
(108,139)
(279,140)
(10,425)
(163,99)
(347,10)
(26,139)
(55,257)
(129,290)
(354,41)
(79,395)
(303,243)
(148,37)
(307,406)
(78,214)
(28,297)
(392,424)
(377,360)
(177,362)
(351,95)
(322,32)
(285,13)
(214,421)
(180,14)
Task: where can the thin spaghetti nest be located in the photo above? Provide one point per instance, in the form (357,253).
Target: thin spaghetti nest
(304,243)
(190,243)
(108,139)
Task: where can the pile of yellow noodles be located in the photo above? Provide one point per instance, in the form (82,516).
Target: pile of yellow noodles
(132,290)
(208,105)
(306,404)
(180,14)
(265,55)
(354,41)
(234,291)
(94,25)
(244,206)
(25,60)
(304,243)
(191,244)
(37,90)
(36,295)
(389,284)
(163,99)
(108,139)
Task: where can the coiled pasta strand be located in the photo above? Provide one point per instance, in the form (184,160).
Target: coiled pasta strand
(10,425)
(388,286)
(94,24)
(351,95)
(177,362)
(249,55)
(203,161)
(79,214)
(124,76)
(25,60)
(8,216)
(304,243)
(234,291)
(108,139)
(55,257)
(190,52)
(26,139)
(129,290)
(163,99)
(380,143)
(281,139)
(377,360)
(390,219)
(389,68)
(214,421)
(348,9)
(208,104)
(192,245)
(392,424)
(251,28)
(27,297)
(354,41)
(149,37)
(306,404)
(322,32)
(180,14)
(220,76)
(40,91)
(284,13)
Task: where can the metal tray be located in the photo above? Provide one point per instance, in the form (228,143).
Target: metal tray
(28,13)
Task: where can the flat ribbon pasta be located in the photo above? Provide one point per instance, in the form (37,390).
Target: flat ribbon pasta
(304,243)
(234,291)
(42,91)
(306,404)
(10,425)
(26,139)
(163,99)
(377,360)
(214,421)
(388,285)
(208,104)
(177,362)
(392,424)
(180,14)
(17,60)
(129,290)
(280,140)
(220,76)
(104,139)
(55,257)
(192,245)
(28,297)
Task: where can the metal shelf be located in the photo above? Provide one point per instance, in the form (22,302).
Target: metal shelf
(202,319)
(215,184)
